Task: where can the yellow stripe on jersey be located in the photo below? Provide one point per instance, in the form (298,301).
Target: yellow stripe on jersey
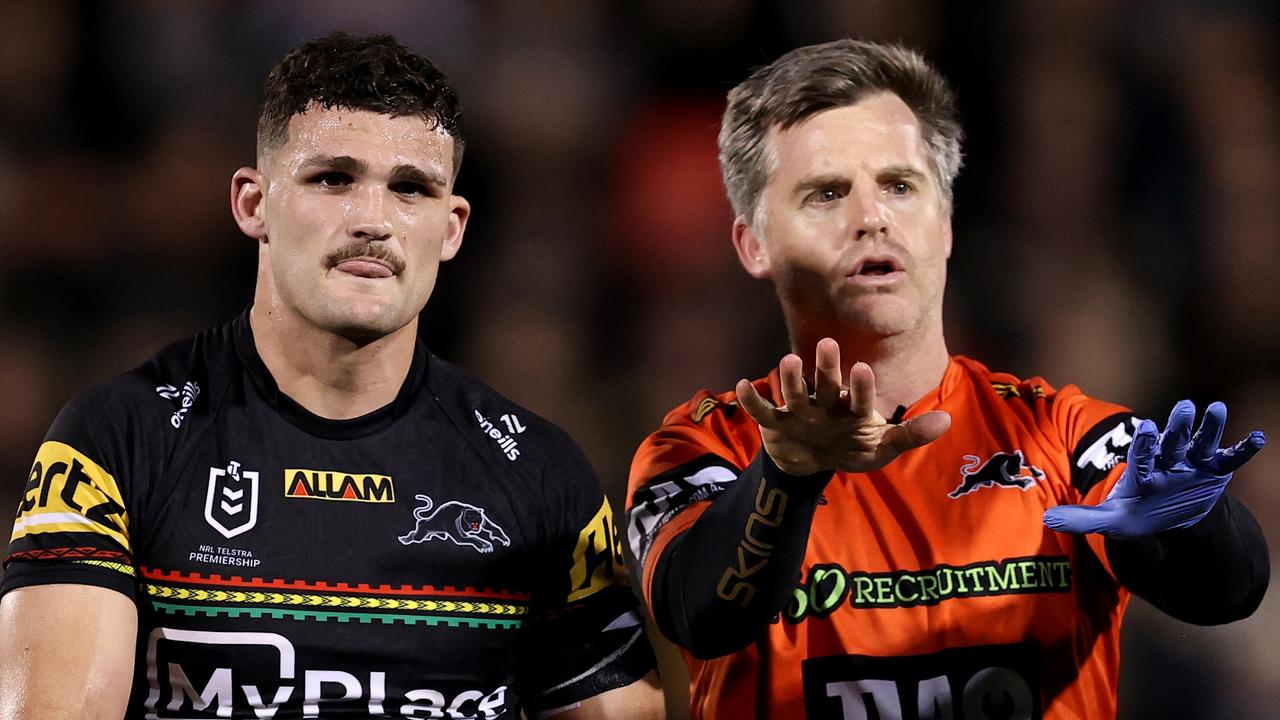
(69,493)
(597,559)
(118,567)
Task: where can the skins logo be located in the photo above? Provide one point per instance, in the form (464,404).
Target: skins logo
(457,521)
(1001,470)
(331,485)
(231,505)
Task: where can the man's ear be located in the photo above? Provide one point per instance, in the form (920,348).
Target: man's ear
(247,206)
(752,251)
(459,211)
(946,235)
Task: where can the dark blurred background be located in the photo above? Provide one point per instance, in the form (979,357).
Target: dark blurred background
(1117,222)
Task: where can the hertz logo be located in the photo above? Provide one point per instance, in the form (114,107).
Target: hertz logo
(333,485)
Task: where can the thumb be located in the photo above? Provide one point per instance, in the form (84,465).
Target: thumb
(1080,519)
(919,430)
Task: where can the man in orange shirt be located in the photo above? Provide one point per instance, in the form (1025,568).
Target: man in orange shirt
(918,536)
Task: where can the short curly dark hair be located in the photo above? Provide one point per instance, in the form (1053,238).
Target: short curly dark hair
(372,72)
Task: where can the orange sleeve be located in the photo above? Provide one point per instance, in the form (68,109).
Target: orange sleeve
(1096,435)
(702,447)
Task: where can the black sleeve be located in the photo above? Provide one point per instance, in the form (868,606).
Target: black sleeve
(1211,573)
(722,580)
(585,634)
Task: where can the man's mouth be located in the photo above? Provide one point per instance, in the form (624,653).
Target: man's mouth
(877,270)
(365,267)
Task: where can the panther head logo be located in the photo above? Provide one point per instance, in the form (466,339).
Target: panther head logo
(461,523)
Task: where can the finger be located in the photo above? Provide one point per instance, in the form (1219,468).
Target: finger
(1233,458)
(1204,445)
(1177,434)
(827,380)
(760,409)
(919,430)
(791,379)
(1142,452)
(1080,519)
(862,389)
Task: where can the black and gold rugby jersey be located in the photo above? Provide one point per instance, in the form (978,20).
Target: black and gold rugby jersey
(449,555)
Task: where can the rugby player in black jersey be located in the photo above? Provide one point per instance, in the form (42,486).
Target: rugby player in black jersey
(303,513)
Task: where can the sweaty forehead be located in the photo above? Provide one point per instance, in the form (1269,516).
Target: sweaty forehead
(879,130)
(377,139)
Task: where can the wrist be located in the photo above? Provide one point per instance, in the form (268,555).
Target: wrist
(792,475)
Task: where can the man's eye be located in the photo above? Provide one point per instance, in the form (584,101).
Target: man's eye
(331,179)
(825,195)
(901,187)
(409,188)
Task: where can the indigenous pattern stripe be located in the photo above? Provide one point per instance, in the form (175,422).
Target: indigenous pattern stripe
(329,616)
(236,596)
(118,567)
(71,553)
(362,588)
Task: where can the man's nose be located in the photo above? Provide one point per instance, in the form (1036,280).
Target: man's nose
(869,216)
(370,217)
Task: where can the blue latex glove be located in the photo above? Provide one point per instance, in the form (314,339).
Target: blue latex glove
(1171,481)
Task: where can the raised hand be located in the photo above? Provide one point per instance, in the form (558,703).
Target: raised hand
(837,427)
(1172,479)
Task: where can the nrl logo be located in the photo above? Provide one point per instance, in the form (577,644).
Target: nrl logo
(231,505)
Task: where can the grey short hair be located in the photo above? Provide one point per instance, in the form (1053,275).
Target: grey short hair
(814,78)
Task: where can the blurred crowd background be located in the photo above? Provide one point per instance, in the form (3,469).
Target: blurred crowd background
(1117,222)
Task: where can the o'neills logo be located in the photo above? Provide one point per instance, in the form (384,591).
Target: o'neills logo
(506,443)
(333,485)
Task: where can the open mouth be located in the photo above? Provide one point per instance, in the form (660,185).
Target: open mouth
(877,270)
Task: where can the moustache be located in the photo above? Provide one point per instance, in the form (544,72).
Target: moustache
(375,250)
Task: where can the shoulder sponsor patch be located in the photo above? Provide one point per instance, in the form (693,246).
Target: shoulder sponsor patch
(1103,447)
(336,485)
(1010,390)
(704,408)
(659,500)
(597,558)
(67,492)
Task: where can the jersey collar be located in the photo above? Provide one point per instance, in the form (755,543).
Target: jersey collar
(307,421)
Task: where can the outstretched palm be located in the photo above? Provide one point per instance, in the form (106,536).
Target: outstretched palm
(837,427)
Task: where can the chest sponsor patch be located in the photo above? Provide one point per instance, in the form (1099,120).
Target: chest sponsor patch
(199,674)
(830,586)
(335,485)
(972,683)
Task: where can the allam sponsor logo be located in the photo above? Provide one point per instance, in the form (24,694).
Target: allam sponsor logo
(506,443)
(336,485)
